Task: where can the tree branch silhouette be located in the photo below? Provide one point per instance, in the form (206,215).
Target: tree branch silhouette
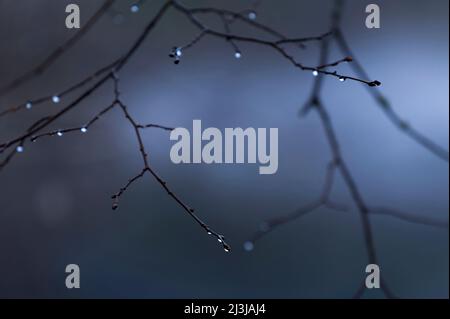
(58,52)
(386,106)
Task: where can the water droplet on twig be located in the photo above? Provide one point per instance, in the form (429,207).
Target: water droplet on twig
(56,99)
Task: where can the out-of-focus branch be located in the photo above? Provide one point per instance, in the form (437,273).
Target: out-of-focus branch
(58,52)
(323,201)
(338,163)
(386,106)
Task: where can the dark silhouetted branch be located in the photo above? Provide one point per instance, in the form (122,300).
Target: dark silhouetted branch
(49,98)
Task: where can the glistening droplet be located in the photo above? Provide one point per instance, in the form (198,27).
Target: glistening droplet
(248,246)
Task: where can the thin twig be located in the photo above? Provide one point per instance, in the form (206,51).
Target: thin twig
(323,201)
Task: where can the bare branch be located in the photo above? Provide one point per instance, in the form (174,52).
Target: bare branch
(82,129)
(314,102)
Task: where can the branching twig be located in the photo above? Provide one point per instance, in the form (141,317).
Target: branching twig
(123,61)
(272,44)
(41,100)
(385,105)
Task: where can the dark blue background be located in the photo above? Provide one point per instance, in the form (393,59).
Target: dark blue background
(55,206)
